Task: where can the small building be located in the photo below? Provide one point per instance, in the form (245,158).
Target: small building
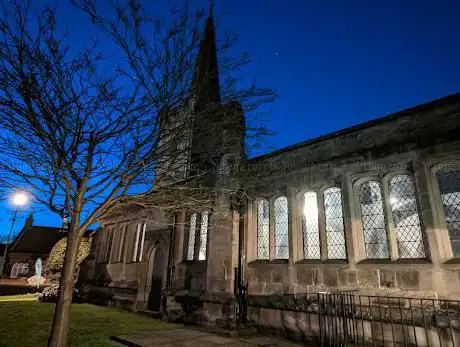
(33,242)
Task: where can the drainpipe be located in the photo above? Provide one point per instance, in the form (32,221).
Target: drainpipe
(171,254)
(241,288)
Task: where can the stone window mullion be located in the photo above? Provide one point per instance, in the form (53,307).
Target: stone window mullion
(392,239)
(297,232)
(322,227)
(271,243)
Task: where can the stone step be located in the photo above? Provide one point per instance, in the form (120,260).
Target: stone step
(123,341)
(241,332)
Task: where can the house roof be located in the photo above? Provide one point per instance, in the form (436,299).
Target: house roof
(39,239)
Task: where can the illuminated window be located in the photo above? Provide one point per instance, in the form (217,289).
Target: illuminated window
(263,230)
(281,228)
(373,220)
(203,235)
(191,237)
(311,243)
(406,219)
(335,234)
(139,242)
(449,187)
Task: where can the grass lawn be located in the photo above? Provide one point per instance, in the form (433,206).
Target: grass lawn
(27,323)
(20,297)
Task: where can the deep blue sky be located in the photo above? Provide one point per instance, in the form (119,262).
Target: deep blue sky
(334,63)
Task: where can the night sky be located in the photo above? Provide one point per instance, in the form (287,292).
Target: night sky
(334,63)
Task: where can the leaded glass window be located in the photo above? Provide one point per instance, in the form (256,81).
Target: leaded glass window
(406,218)
(139,243)
(335,233)
(203,235)
(109,245)
(121,245)
(263,230)
(449,186)
(191,237)
(373,220)
(311,244)
(281,228)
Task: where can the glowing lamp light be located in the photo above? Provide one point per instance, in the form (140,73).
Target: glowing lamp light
(20,199)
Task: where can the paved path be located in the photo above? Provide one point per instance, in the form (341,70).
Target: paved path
(184,337)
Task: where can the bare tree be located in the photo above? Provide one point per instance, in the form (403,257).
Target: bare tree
(79,138)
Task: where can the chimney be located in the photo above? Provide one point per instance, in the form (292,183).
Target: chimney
(30,220)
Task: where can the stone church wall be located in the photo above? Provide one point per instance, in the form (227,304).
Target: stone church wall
(414,142)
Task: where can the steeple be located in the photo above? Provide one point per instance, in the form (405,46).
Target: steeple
(205,86)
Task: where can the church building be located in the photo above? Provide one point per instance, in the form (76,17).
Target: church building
(373,209)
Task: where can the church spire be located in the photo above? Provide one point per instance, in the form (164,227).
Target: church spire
(205,86)
(210,8)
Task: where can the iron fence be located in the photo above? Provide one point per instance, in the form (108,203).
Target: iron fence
(350,319)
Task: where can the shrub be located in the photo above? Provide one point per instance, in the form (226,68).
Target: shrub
(55,260)
(50,294)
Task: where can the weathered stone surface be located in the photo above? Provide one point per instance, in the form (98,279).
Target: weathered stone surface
(368,278)
(306,275)
(330,277)
(387,278)
(408,279)
(277,274)
(347,278)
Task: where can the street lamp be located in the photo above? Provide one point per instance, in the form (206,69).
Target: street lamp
(19,199)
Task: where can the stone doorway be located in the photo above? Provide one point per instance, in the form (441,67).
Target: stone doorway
(154,302)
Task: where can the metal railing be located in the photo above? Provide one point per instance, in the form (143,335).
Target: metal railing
(350,319)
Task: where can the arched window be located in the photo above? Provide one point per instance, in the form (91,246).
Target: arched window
(263,230)
(191,237)
(203,235)
(109,245)
(406,219)
(311,244)
(281,228)
(121,245)
(20,269)
(335,235)
(449,187)
(139,242)
(25,269)
(15,271)
(373,220)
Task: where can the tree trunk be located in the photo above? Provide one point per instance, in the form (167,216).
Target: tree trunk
(60,328)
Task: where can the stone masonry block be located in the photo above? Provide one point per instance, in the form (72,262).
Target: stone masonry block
(408,279)
(368,278)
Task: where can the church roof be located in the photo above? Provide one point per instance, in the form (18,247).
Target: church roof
(410,112)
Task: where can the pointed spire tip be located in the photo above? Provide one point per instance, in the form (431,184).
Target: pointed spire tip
(210,7)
